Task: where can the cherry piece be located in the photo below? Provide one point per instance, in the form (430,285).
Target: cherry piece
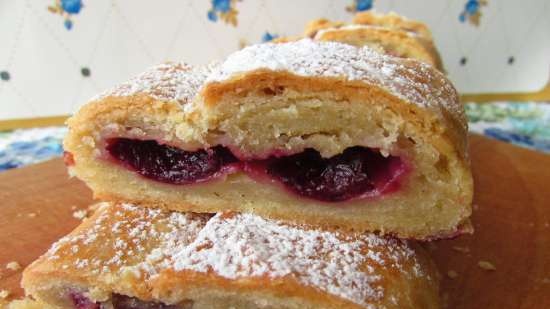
(169,164)
(358,172)
(339,178)
(126,302)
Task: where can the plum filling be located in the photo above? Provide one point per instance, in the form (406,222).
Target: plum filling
(121,302)
(356,173)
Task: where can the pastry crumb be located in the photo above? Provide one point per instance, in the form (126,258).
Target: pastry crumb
(452,274)
(461,249)
(13,266)
(4,294)
(486,265)
(80,214)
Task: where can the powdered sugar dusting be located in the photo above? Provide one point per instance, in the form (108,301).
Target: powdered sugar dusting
(168,82)
(144,242)
(126,230)
(408,79)
(245,245)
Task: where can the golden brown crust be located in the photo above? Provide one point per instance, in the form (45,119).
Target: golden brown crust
(314,26)
(391,31)
(390,41)
(179,258)
(393,20)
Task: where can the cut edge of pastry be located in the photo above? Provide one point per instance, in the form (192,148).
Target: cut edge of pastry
(27,303)
(234,112)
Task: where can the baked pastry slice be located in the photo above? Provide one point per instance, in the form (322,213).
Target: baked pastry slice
(310,132)
(393,20)
(128,257)
(390,20)
(388,33)
(395,42)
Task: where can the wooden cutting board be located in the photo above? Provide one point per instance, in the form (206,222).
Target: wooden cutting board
(511,218)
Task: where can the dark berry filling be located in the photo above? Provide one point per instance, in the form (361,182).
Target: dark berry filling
(169,164)
(357,172)
(126,302)
(121,302)
(82,302)
(339,178)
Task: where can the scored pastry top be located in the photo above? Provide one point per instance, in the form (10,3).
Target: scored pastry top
(148,242)
(407,79)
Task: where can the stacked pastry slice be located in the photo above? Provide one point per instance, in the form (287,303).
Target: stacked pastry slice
(387,33)
(258,182)
(131,257)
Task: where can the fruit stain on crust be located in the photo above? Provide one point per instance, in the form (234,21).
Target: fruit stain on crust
(68,158)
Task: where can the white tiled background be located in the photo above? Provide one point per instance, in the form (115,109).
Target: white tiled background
(116,39)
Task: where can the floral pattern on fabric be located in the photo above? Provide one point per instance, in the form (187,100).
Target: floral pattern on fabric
(525,124)
(66,8)
(472,12)
(269,37)
(360,6)
(224,10)
(26,146)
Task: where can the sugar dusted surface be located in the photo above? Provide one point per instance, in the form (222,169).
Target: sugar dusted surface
(126,238)
(169,81)
(408,79)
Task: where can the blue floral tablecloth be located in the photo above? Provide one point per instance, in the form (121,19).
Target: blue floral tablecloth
(525,124)
(26,146)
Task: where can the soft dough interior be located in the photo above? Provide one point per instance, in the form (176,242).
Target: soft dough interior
(205,298)
(432,201)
